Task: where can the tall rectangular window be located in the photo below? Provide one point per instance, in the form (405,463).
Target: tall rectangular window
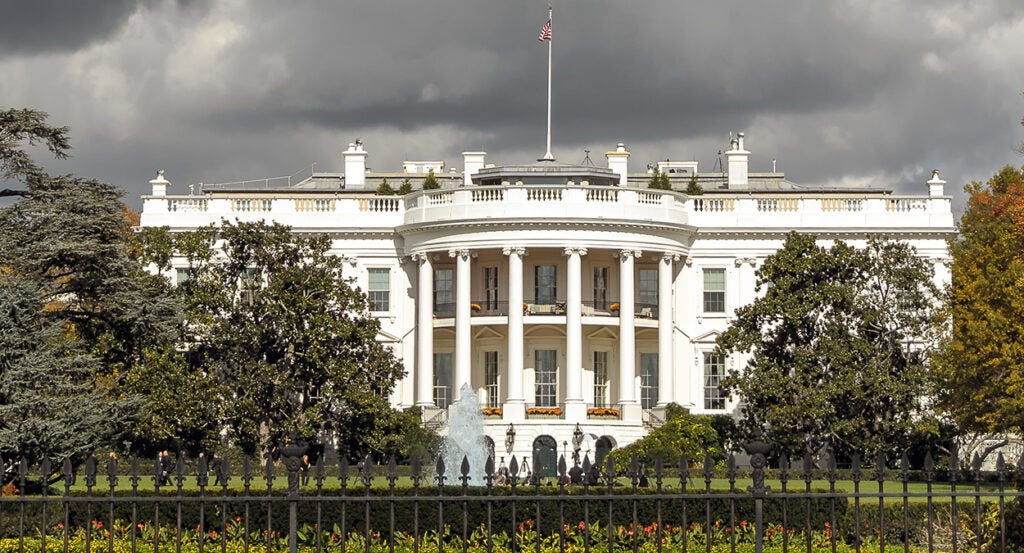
(490,288)
(442,380)
(648,292)
(181,276)
(714,369)
(648,380)
(380,289)
(491,378)
(600,287)
(545,284)
(601,395)
(546,369)
(714,290)
(444,301)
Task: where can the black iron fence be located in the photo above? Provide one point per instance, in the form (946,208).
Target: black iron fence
(288,505)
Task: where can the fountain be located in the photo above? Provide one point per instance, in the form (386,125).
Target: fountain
(465,438)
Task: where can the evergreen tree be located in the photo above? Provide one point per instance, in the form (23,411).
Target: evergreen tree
(659,181)
(406,187)
(384,189)
(430,183)
(693,188)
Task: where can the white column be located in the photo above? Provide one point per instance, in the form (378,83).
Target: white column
(627,337)
(666,311)
(425,332)
(575,408)
(515,402)
(462,327)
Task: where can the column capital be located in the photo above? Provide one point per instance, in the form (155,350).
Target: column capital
(420,257)
(629,253)
(463,253)
(669,257)
(574,251)
(517,250)
(741,260)
(350,259)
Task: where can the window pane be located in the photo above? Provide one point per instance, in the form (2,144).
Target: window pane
(648,380)
(714,369)
(600,379)
(714,290)
(648,287)
(600,287)
(491,378)
(546,288)
(491,288)
(443,280)
(442,379)
(547,377)
(380,289)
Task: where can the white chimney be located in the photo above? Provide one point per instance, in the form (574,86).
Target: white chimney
(472,162)
(160,184)
(738,163)
(355,165)
(935,186)
(618,161)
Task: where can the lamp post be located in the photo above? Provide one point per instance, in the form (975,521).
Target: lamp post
(577,441)
(510,438)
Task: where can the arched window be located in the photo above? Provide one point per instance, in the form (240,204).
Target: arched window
(489,445)
(545,457)
(602,447)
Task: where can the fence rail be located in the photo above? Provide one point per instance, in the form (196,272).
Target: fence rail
(170,506)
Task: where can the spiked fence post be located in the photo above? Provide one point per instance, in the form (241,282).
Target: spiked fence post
(291,456)
(758,451)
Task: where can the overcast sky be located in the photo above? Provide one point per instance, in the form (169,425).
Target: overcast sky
(853,92)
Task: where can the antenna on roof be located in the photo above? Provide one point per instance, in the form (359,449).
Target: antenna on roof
(586,159)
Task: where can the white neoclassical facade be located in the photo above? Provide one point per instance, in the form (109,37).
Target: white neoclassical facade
(566,296)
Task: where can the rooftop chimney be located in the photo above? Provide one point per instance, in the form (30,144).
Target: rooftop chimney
(738,163)
(935,186)
(355,165)
(160,184)
(472,162)
(618,161)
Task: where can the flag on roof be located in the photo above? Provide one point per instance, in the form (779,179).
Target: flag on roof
(545,32)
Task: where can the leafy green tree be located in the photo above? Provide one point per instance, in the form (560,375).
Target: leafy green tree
(406,188)
(430,182)
(835,346)
(979,367)
(286,337)
(384,189)
(80,311)
(693,188)
(659,181)
(682,433)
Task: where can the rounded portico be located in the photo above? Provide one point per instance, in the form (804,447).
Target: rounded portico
(548,289)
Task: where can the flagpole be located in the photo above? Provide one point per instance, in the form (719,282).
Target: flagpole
(547,155)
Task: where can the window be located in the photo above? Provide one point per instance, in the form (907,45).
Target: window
(600,287)
(648,380)
(181,276)
(601,379)
(443,299)
(442,380)
(714,290)
(545,284)
(648,288)
(714,369)
(547,377)
(380,289)
(491,378)
(490,288)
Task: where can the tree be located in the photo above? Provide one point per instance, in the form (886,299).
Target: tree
(79,311)
(406,188)
(659,181)
(835,346)
(979,368)
(286,337)
(384,189)
(693,188)
(682,433)
(430,182)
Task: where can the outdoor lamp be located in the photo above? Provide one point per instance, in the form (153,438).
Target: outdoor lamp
(510,438)
(577,437)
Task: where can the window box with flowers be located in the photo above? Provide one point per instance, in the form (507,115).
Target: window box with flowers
(475,307)
(613,307)
(544,412)
(494,412)
(603,413)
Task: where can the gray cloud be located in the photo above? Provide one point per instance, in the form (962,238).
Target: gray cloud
(855,91)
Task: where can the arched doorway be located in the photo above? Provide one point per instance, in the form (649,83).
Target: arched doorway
(602,447)
(545,456)
(489,446)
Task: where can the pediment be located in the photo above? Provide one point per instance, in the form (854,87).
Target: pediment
(487,333)
(603,333)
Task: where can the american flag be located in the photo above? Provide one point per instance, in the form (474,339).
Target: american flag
(545,32)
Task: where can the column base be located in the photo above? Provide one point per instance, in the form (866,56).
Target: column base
(513,411)
(575,411)
(631,412)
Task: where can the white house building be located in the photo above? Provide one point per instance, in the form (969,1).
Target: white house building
(566,296)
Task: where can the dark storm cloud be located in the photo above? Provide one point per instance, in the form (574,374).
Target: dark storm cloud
(852,91)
